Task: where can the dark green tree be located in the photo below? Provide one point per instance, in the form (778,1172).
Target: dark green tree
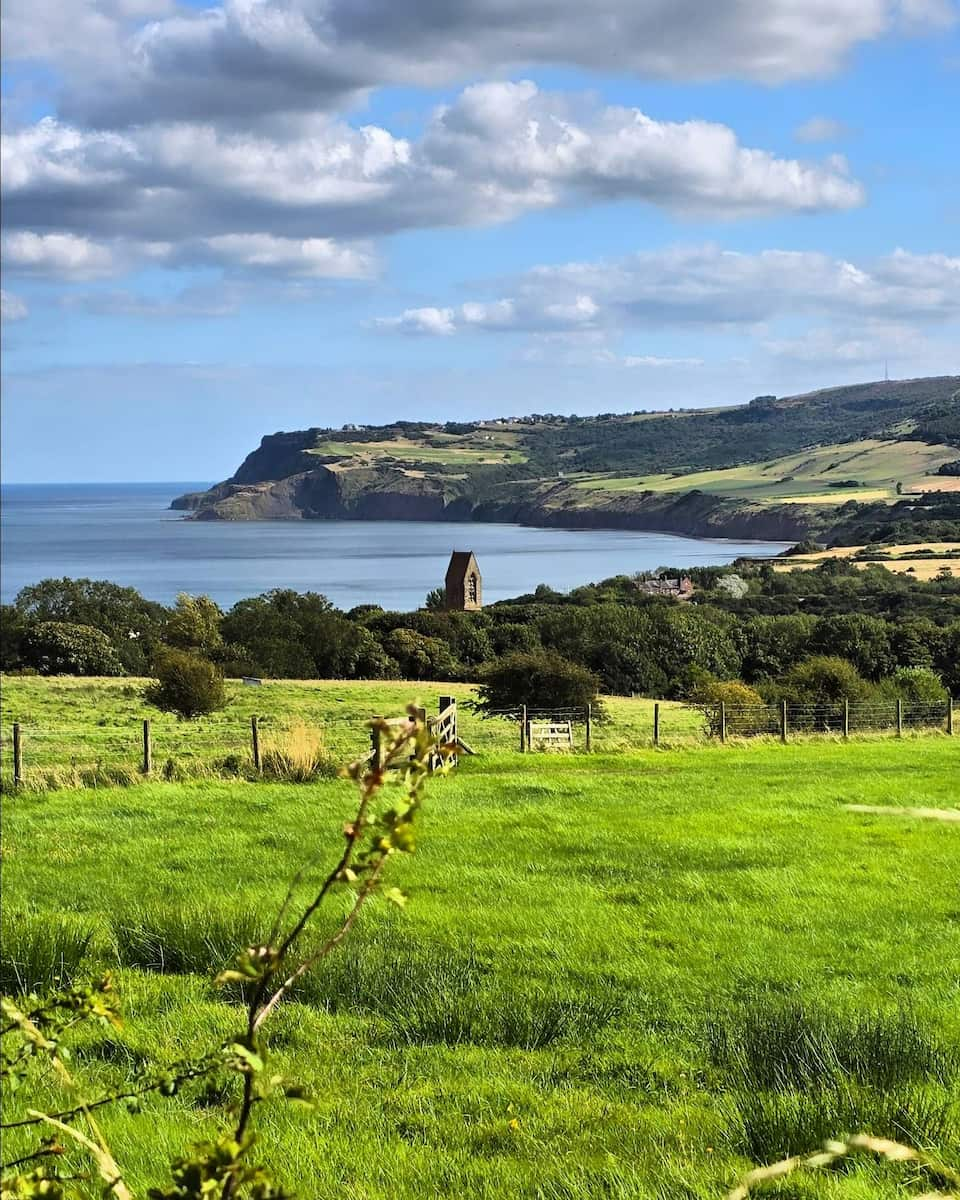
(60,648)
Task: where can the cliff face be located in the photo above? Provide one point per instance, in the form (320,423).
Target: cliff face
(381,494)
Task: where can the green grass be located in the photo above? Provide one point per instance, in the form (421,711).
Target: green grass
(623,975)
(462,452)
(810,476)
(72,724)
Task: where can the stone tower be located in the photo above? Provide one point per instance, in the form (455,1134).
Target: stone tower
(463,583)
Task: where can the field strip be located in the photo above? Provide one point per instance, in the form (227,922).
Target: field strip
(933,814)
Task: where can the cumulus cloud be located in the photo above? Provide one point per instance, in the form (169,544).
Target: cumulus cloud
(302,197)
(12,308)
(707,288)
(130,61)
(59,255)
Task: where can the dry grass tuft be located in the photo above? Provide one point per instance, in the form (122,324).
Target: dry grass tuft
(297,755)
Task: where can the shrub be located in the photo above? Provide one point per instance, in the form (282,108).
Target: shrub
(537,678)
(746,713)
(186,684)
(918,685)
(822,679)
(59,648)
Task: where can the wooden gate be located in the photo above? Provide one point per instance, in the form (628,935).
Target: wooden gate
(443,727)
(550,735)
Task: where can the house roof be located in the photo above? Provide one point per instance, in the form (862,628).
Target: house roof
(460,561)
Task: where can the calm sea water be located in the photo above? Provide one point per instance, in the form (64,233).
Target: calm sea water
(125,532)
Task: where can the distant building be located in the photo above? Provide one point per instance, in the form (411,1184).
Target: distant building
(674,587)
(463,585)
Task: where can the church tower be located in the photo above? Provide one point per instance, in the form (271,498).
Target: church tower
(463,583)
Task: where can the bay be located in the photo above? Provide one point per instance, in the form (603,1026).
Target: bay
(126,533)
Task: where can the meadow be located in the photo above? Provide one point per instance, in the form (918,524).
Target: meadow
(863,470)
(75,722)
(618,975)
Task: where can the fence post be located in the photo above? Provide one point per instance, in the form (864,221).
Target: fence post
(656,723)
(723,721)
(846,718)
(899,718)
(147,749)
(17,755)
(376,745)
(523,728)
(783,721)
(255,742)
(950,715)
(589,727)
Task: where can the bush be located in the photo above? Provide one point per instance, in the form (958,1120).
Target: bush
(186,684)
(918,685)
(822,679)
(59,648)
(539,679)
(746,713)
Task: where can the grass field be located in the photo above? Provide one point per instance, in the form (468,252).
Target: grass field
(84,721)
(459,452)
(895,558)
(871,469)
(618,975)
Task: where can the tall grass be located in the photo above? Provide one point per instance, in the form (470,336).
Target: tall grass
(773,1044)
(177,940)
(41,953)
(297,755)
(799,1074)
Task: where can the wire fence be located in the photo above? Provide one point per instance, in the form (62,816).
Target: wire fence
(169,748)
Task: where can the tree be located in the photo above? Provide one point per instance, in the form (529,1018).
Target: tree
(918,685)
(823,679)
(59,648)
(436,600)
(194,624)
(186,684)
(13,630)
(539,679)
(132,623)
(734,586)
(420,657)
(861,640)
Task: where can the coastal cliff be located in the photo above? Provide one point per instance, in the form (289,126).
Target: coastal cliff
(774,469)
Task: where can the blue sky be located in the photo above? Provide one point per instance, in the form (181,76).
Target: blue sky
(225,221)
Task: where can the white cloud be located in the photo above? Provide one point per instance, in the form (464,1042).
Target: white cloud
(298,197)
(12,308)
(869,344)
(319,258)
(821,129)
(436,322)
(59,255)
(900,307)
(705,286)
(130,61)
(651,360)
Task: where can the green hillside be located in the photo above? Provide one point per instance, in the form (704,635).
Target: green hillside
(805,455)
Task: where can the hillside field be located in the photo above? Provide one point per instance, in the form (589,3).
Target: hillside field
(865,470)
(618,975)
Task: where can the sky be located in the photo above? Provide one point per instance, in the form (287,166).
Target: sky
(223,221)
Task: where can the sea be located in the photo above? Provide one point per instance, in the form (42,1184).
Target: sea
(127,533)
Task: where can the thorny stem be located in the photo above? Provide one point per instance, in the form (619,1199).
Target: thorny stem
(325,949)
(259,1007)
(193,1073)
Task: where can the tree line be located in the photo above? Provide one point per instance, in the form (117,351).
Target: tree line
(874,629)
